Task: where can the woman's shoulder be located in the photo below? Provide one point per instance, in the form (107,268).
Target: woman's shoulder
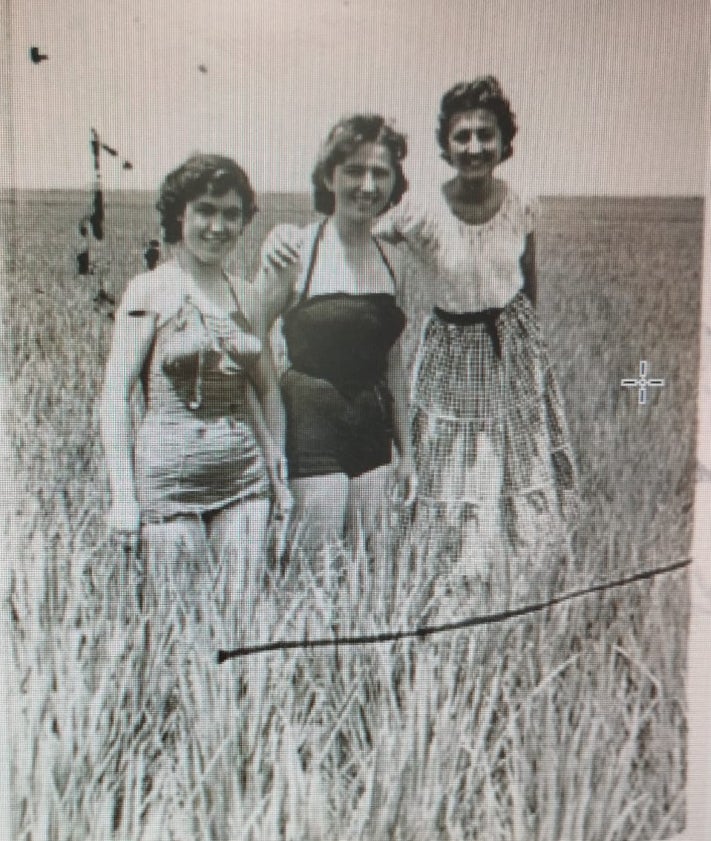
(416,207)
(158,292)
(416,219)
(396,256)
(268,296)
(523,207)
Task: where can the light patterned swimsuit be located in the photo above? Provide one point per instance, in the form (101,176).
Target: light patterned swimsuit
(195,450)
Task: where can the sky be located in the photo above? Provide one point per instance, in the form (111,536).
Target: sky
(610,95)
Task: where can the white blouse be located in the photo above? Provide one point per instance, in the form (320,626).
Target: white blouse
(471,267)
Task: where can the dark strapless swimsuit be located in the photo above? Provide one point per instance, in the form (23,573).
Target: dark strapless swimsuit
(339,409)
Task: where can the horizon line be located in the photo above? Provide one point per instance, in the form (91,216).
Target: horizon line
(8,190)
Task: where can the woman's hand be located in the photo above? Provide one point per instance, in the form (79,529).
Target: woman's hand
(190,338)
(277,468)
(403,489)
(239,346)
(282,247)
(124,522)
(279,526)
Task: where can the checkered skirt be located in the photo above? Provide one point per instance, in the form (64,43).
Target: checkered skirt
(489,427)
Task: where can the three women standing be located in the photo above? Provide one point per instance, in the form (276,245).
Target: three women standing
(485,439)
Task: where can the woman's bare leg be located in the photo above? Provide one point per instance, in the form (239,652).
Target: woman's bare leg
(176,556)
(238,535)
(367,501)
(320,504)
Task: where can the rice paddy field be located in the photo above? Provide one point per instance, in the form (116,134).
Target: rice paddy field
(563,725)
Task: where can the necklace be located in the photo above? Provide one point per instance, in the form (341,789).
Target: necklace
(207,320)
(218,304)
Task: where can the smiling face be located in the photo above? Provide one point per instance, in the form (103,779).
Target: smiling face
(212,225)
(363,184)
(475,144)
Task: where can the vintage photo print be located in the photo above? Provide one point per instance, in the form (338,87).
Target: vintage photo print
(355,406)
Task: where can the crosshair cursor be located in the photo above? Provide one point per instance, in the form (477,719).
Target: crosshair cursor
(642,382)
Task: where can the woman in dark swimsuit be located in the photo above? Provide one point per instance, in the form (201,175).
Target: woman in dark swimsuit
(344,391)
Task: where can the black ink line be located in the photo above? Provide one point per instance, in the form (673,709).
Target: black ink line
(429,630)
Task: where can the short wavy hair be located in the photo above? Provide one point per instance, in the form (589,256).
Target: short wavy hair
(198,175)
(342,141)
(482,92)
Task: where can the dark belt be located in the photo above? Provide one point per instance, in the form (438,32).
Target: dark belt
(489,318)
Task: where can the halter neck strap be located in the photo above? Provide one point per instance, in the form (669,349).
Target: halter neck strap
(312,262)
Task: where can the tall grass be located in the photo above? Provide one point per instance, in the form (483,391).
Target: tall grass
(565,726)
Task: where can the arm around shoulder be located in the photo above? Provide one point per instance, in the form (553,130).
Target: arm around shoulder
(277,279)
(394,225)
(273,292)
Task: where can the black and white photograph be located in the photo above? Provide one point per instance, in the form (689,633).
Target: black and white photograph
(356,393)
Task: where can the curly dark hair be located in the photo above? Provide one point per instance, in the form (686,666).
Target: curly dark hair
(200,174)
(342,141)
(482,92)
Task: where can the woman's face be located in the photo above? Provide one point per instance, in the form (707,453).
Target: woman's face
(475,144)
(363,184)
(212,225)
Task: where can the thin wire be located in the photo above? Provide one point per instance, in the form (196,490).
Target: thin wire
(430,630)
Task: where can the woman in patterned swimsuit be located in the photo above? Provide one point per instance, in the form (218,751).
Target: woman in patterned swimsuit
(207,455)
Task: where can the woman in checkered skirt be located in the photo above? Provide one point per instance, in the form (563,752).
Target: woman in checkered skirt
(490,437)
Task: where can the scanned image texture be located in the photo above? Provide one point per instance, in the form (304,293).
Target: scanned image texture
(350,359)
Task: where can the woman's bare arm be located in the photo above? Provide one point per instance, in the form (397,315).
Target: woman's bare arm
(269,423)
(271,294)
(528,269)
(133,335)
(266,386)
(398,384)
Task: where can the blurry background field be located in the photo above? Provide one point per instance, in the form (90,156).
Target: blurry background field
(567,726)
